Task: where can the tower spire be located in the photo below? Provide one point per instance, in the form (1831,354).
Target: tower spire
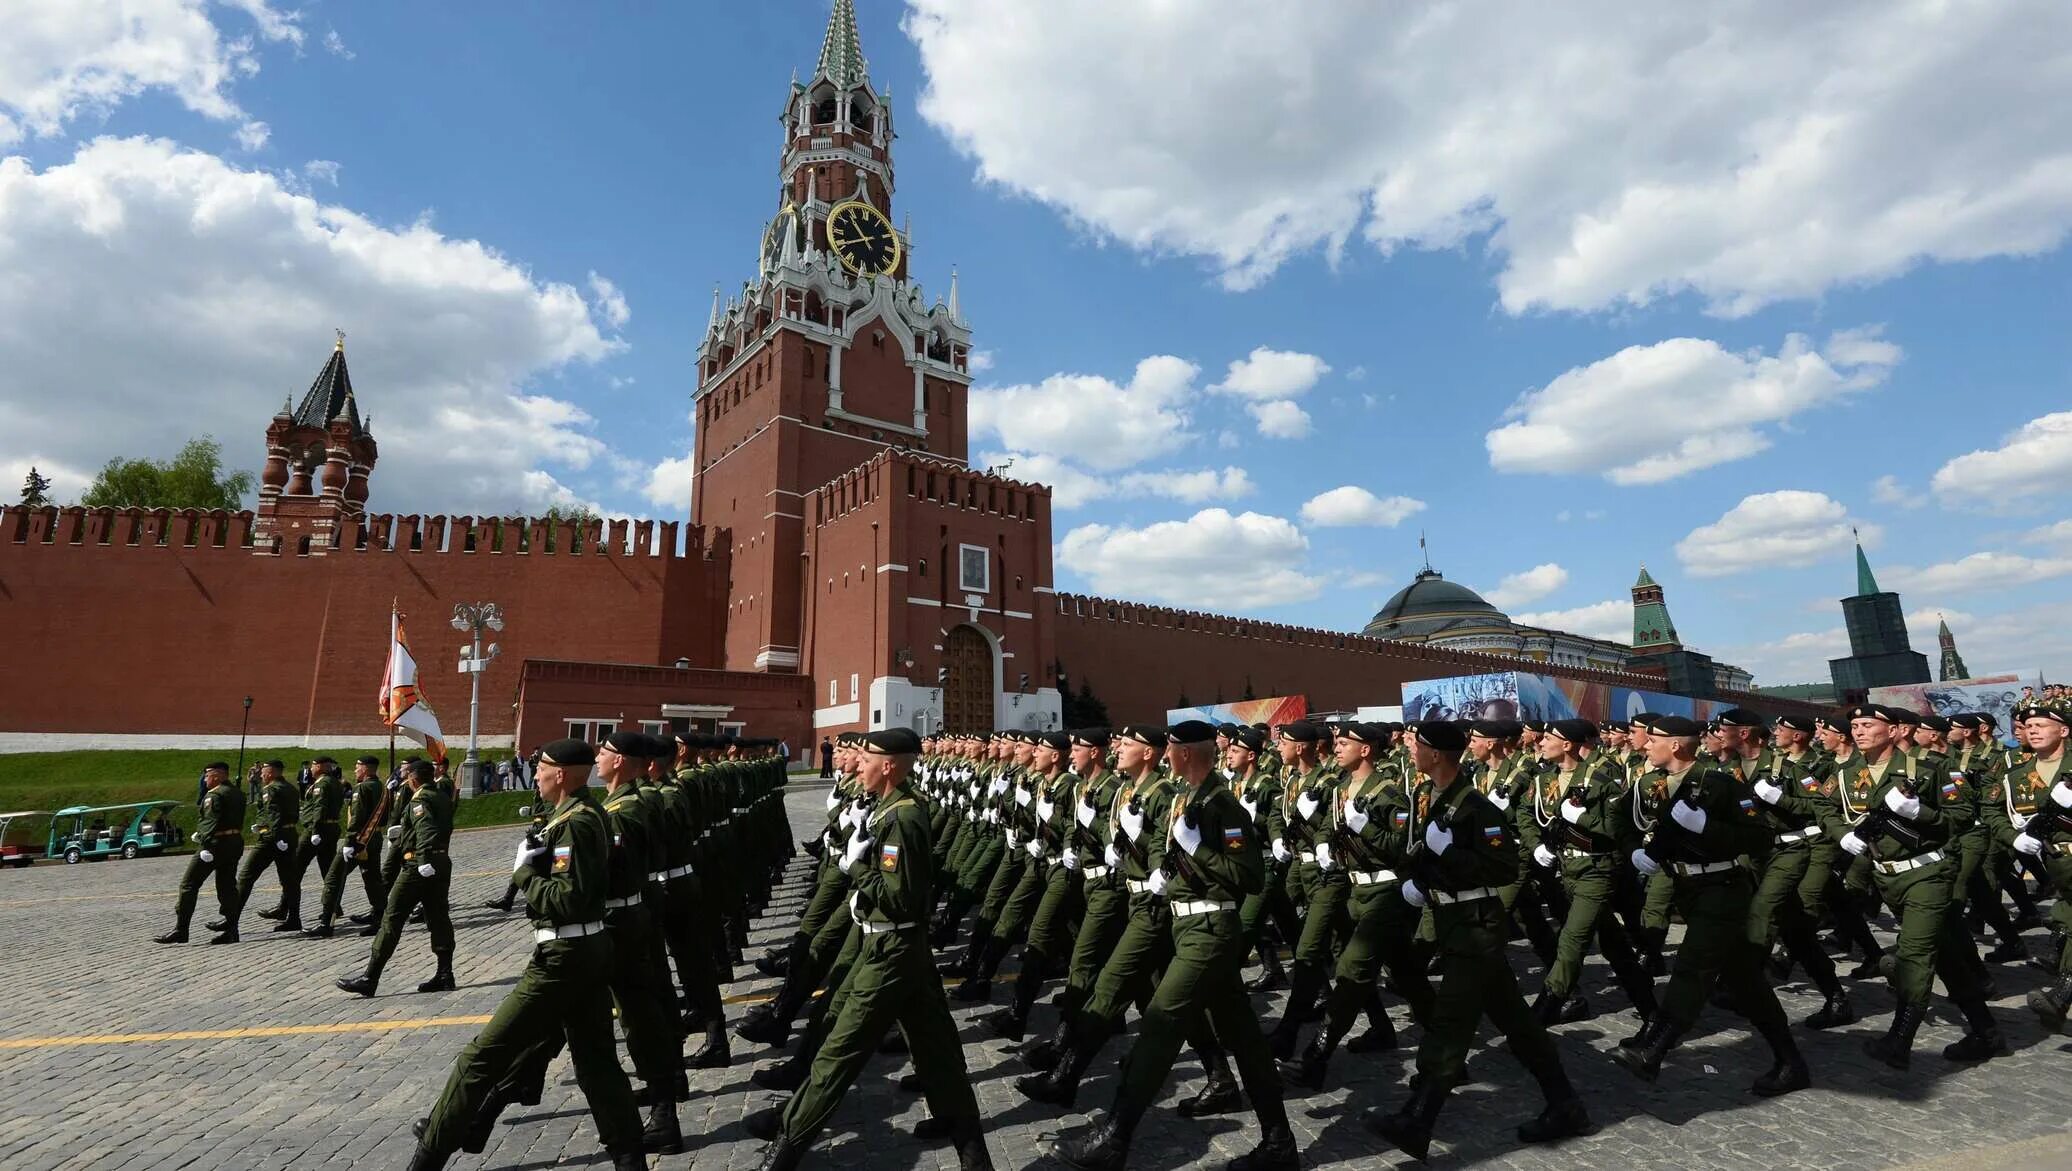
(956,312)
(1865,583)
(841,51)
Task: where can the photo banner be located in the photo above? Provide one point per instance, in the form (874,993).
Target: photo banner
(1517,695)
(1996,695)
(1281,709)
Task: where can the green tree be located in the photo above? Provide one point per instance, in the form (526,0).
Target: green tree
(194,478)
(1084,710)
(579,515)
(36,490)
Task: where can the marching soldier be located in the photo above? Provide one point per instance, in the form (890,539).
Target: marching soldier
(427,872)
(1258,791)
(278,801)
(538,812)
(359,848)
(322,802)
(2030,810)
(1106,904)
(1794,789)
(1298,824)
(219,838)
(1053,878)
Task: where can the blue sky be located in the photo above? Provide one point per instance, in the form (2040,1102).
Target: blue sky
(1702,297)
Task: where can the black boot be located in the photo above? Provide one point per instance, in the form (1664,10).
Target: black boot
(424,1160)
(2045,960)
(629,1161)
(1105,1147)
(766,1024)
(1788,1070)
(1896,1047)
(765,1124)
(442,980)
(1272,977)
(978,979)
(291,923)
(229,936)
(176,935)
(272,913)
(1982,1040)
(1646,1063)
(1410,1128)
(2051,1003)
(1307,1071)
(322,930)
(1060,1087)
(1012,1023)
(1042,1055)
(1574,1008)
(1835,1010)
(1306,979)
(786,1075)
(714,1054)
(476,1140)
(659,1133)
(1219,1095)
(1275,1152)
(970,1142)
(1645,1036)
(1561,1119)
(1380,1036)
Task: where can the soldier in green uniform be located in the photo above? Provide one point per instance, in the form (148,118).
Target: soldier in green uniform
(219,837)
(1258,791)
(359,848)
(1204,856)
(2030,810)
(1795,788)
(537,811)
(824,926)
(1462,851)
(890,865)
(1018,829)
(275,831)
(1053,873)
(1298,824)
(322,802)
(426,874)
(1890,810)
(1106,904)
(564,993)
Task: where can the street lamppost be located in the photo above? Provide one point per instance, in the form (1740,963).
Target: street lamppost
(472,618)
(242,729)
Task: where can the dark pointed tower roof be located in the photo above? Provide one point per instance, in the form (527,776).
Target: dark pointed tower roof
(331,396)
(1865,583)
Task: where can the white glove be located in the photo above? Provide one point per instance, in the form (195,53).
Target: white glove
(348,852)
(525,811)
(858,847)
(1158,882)
(1412,894)
(1280,851)
(1022,797)
(1188,837)
(316,839)
(1109,856)
(1905,806)
(1770,793)
(1854,844)
(832,800)
(1132,822)
(999,785)
(1647,866)
(2024,844)
(1014,840)
(207,856)
(195,837)
(1355,818)
(1688,816)
(1542,856)
(1085,814)
(1571,812)
(1306,806)
(426,870)
(525,856)
(281,844)
(1499,800)
(1251,807)
(395,833)
(2062,793)
(974,791)
(1437,840)
(1322,854)
(1070,861)
(1034,846)
(1044,809)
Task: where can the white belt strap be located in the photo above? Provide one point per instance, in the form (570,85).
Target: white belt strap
(1572,852)
(1906,864)
(880,928)
(569,931)
(1448,898)
(1093,873)
(628,901)
(657,875)
(1371,877)
(677,871)
(1693,869)
(1796,836)
(1135,887)
(1184,910)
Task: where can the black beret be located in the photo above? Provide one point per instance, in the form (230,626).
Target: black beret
(276,763)
(1057,740)
(1374,734)
(1740,717)
(1574,731)
(370,760)
(1935,722)
(570,752)
(2039,712)
(1091,737)
(221,764)
(1191,732)
(1301,732)
(1227,729)
(1251,738)
(1675,726)
(1492,729)
(1444,735)
(322,760)
(1795,723)
(892,742)
(422,769)
(1642,720)
(1532,725)
(1986,720)
(1900,715)
(627,743)
(1150,734)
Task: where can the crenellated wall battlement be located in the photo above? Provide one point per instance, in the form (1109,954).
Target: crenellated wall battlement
(141,528)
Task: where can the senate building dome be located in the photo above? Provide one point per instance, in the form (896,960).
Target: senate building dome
(1431,605)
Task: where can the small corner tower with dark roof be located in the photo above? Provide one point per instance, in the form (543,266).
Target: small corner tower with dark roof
(319,454)
(1656,646)
(1952,662)
(1880,654)
(1652,629)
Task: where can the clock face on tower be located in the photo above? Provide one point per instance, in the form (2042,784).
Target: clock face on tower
(863,238)
(773,237)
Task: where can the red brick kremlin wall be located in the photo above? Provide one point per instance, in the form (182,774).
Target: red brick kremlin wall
(131,621)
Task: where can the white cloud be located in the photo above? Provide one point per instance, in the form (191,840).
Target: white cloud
(1074,487)
(252,135)
(2023,641)
(1281,419)
(1612,621)
(322,170)
(1795,658)
(980,361)
(335,45)
(78,59)
(1193,487)
(1530,586)
(1364,579)
(1270,374)
(1771,530)
(1350,504)
(1211,560)
(167,276)
(668,485)
(1888,490)
(1979,571)
(1093,420)
(610,302)
(2034,461)
(1653,413)
(1610,154)
(2053,534)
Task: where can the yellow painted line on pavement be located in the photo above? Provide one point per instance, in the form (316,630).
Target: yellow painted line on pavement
(159,895)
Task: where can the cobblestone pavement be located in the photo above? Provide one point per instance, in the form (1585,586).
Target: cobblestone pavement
(117,1053)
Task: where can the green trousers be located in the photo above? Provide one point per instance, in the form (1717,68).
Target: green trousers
(1716,947)
(367,860)
(1382,926)
(562,996)
(1590,884)
(278,853)
(1107,910)
(1007,876)
(1661,896)
(224,869)
(1141,949)
(1775,891)
(893,981)
(1325,920)
(1050,925)
(1478,982)
(1019,907)
(2059,868)
(1971,853)
(1201,982)
(319,853)
(677,927)
(1933,940)
(411,890)
(640,987)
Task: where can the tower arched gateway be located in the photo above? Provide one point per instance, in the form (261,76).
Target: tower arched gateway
(968,685)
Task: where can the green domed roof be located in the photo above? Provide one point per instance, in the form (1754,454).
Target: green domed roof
(1430,604)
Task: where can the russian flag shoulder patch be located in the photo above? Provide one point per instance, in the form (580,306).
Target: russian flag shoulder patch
(888,856)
